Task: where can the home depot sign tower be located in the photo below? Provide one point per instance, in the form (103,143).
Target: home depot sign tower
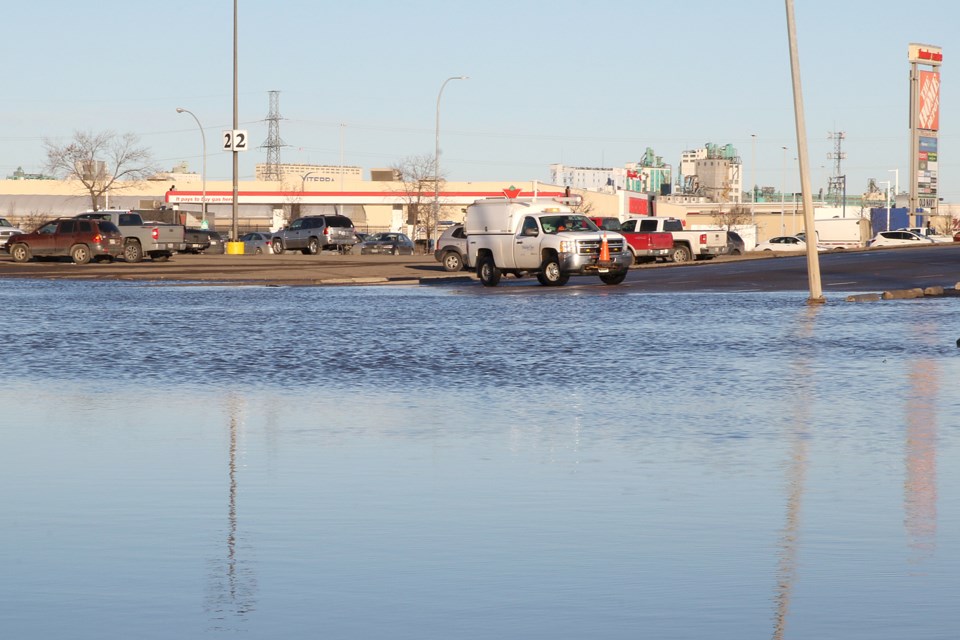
(924,127)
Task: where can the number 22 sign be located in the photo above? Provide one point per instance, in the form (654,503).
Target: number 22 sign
(234,140)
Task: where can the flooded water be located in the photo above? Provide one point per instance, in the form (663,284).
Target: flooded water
(403,462)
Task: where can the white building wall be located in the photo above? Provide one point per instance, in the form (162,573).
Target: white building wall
(588,178)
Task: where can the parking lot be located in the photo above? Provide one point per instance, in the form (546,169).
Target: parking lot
(867,271)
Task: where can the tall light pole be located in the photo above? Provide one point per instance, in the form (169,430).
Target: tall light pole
(436,160)
(896,187)
(887,182)
(753,178)
(203,176)
(783,190)
(234,230)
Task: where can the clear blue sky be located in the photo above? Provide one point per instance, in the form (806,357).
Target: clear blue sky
(588,84)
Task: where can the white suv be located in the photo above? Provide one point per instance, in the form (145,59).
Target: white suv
(451,248)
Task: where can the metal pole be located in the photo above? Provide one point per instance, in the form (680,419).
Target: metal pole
(914,144)
(234,230)
(436,160)
(783,195)
(342,126)
(887,182)
(813,263)
(896,186)
(753,179)
(203,176)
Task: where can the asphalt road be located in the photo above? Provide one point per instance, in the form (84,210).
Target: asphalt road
(871,271)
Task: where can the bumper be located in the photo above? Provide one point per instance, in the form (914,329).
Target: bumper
(112,250)
(714,251)
(577,263)
(652,253)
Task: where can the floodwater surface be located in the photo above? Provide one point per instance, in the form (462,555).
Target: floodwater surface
(433,462)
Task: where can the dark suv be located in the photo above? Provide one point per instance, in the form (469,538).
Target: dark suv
(311,234)
(81,240)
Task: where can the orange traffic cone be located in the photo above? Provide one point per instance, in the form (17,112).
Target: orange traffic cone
(604,249)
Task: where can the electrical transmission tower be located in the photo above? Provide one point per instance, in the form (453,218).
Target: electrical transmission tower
(837,187)
(273,142)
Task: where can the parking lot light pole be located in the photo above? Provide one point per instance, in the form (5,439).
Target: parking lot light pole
(436,161)
(203,175)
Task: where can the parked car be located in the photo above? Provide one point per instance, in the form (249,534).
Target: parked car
(387,242)
(895,238)
(735,244)
(7,230)
(928,233)
(257,242)
(81,240)
(782,243)
(215,242)
(452,248)
(311,234)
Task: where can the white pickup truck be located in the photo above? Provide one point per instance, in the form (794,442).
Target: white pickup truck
(541,236)
(699,244)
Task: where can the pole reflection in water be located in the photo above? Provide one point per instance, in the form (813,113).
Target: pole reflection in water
(232,583)
(920,460)
(796,474)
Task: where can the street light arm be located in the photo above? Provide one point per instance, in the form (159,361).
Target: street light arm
(436,156)
(203,140)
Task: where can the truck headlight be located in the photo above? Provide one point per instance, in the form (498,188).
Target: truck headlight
(568,246)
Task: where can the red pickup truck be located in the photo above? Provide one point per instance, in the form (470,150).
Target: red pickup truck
(645,246)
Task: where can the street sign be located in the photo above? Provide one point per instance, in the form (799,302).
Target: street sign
(234,140)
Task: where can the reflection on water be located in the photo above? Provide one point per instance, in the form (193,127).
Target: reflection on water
(427,463)
(232,582)
(920,486)
(798,435)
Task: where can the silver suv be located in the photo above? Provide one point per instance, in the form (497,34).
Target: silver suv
(311,234)
(452,248)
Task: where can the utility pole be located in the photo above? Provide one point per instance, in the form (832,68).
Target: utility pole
(813,258)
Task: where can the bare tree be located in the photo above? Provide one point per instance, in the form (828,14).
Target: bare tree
(735,216)
(102,161)
(416,177)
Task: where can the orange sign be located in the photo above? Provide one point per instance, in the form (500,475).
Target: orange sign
(928,116)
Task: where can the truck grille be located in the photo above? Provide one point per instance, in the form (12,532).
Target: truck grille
(592,247)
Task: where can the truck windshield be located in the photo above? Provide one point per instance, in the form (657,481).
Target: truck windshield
(569,222)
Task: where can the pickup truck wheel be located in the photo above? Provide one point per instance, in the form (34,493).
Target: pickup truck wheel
(488,272)
(615,277)
(278,247)
(132,252)
(680,254)
(80,253)
(313,247)
(550,274)
(633,256)
(452,261)
(20,253)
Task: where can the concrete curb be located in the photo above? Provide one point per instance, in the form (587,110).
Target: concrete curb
(906,294)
